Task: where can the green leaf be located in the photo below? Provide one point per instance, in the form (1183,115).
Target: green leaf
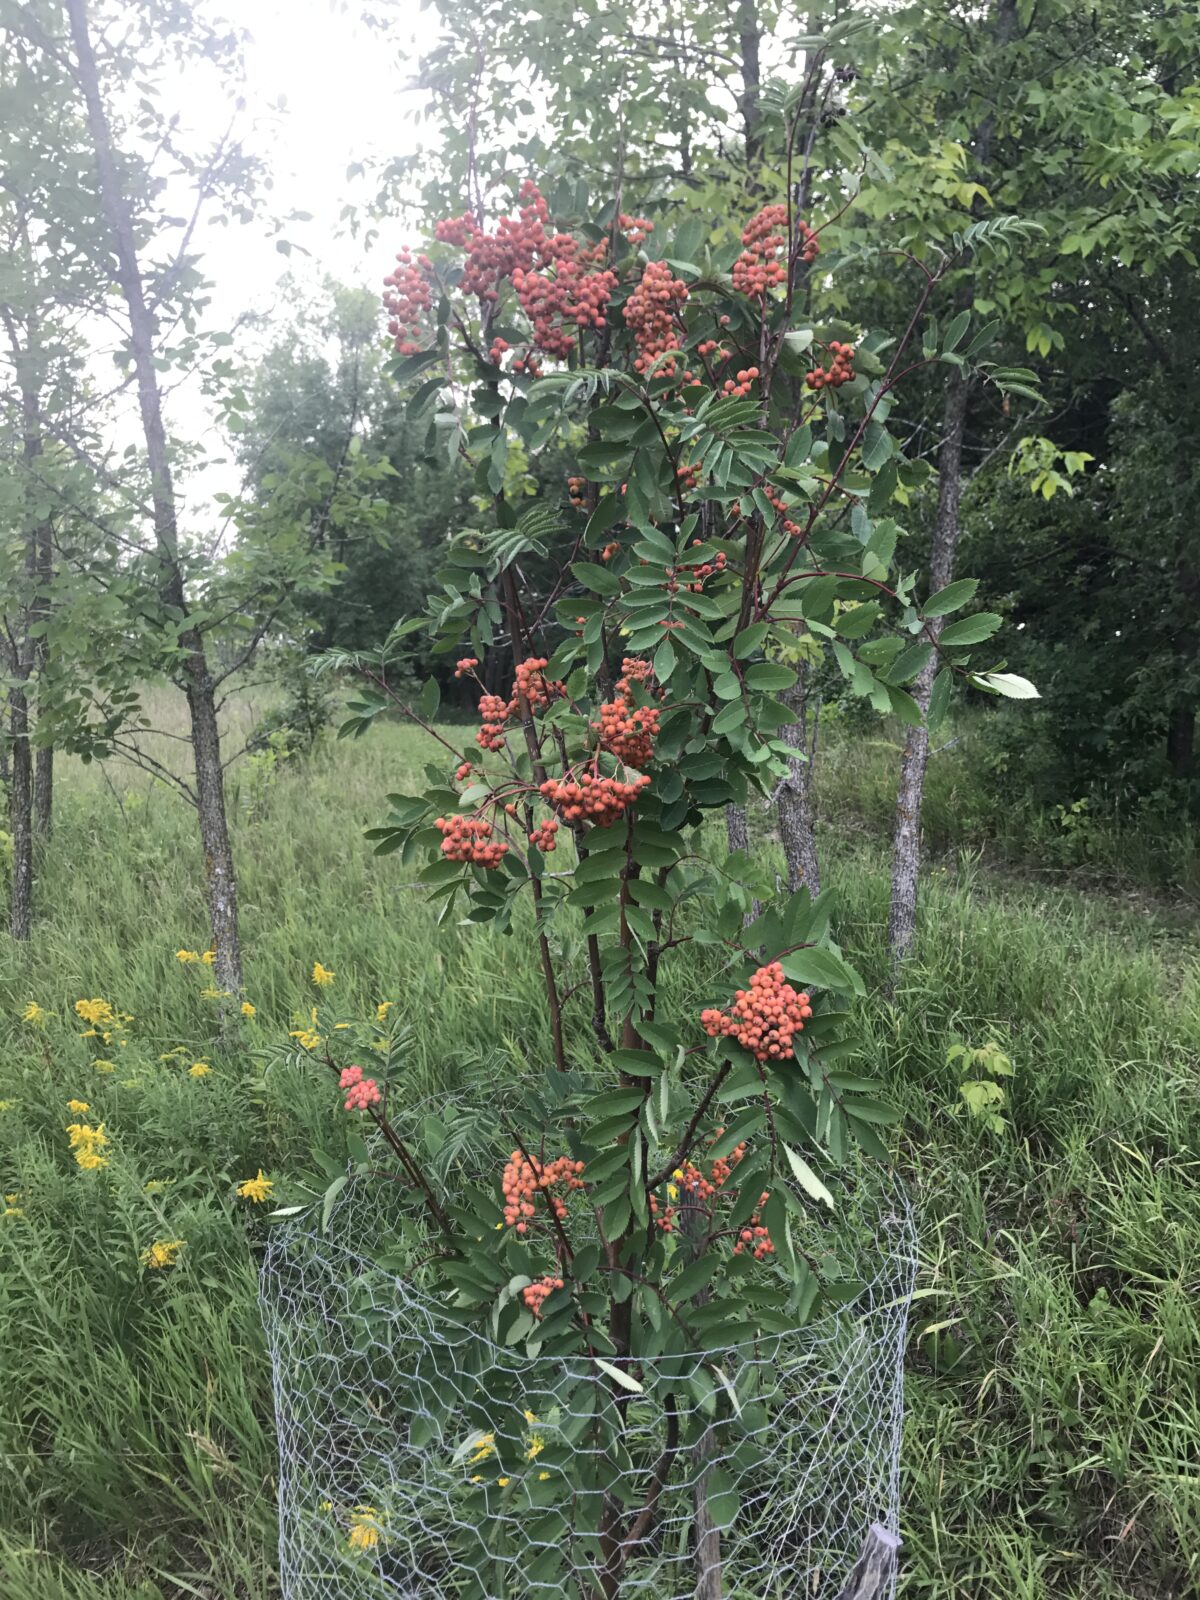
(1007,684)
(769,675)
(822,969)
(951,597)
(971,630)
(956,330)
(598,579)
(619,1375)
(807,1178)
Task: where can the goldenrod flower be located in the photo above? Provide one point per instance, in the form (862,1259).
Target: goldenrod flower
(484,1447)
(11,1199)
(6,1105)
(185,956)
(308,1038)
(89,1160)
(209,957)
(214,994)
(199,1069)
(35,1014)
(536,1445)
(156,1185)
(78,1107)
(247,1009)
(13,1211)
(503,1482)
(83,1137)
(365,1528)
(104,1066)
(97,1012)
(322,976)
(382,1009)
(256,1189)
(543,1477)
(161,1254)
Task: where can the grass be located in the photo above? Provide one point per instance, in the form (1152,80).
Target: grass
(1052,1403)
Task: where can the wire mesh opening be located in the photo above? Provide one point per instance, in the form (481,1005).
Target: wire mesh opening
(419,1459)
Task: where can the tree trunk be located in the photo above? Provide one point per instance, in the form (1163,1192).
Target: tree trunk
(735,828)
(197,679)
(906,838)
(43,790)
(797,816)
(20,815)
(750,104)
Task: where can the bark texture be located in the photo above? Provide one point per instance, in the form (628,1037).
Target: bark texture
(197,678)
(906,837)
(20,815)
(796,804)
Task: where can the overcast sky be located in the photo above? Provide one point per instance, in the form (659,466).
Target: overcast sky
(344,101)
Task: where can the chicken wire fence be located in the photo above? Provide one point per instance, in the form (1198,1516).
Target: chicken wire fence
(418,1459)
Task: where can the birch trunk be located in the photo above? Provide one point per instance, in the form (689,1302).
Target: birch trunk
(198,683)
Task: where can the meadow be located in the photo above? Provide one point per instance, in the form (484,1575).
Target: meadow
(1053,1413)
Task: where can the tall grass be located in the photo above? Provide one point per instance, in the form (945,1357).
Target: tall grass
(1053,1409)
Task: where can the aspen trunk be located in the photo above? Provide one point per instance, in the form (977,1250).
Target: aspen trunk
(43,790)
(906,837)
(20,815)
(197,679)
(797,812)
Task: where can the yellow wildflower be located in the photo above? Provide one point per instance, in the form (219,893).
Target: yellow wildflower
(209,957)
(35,1014)
(339,1026)
(503,1482)
(78,1107)
(672,1191)
(536,1445)
(485,1446)
(322,976)
(543,1477)
(365,1528)
(6,1105)
(382,1009)
(247,1009)
(83,1137)
(97,1012)
(308,1038)
(13,1211)
(185,956)
(11,1199)
(104,1066)
(214,994)
(256,1189)
(199,1069)
(476,1477)
(161,1254)
(89,1160)
(157,1185)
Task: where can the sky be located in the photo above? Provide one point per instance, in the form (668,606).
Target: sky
(322,91)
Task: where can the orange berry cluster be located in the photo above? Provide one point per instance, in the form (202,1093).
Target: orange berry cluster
(628,731)
(757,269)
(592,799)
(469,839)
(544,836)
(574,297)
(754,1237)
(363,1092)
(707,346)
(650,315)
(764,1017)
(704,570)
(577,490)
(407,299)
(612,548)
(739,387)
(493,709)
(523,1179)
(534,686)
(792,529)
(536,1294)
(841,368)
(635,229)
(465,665)
(462,772)
(691,1181)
